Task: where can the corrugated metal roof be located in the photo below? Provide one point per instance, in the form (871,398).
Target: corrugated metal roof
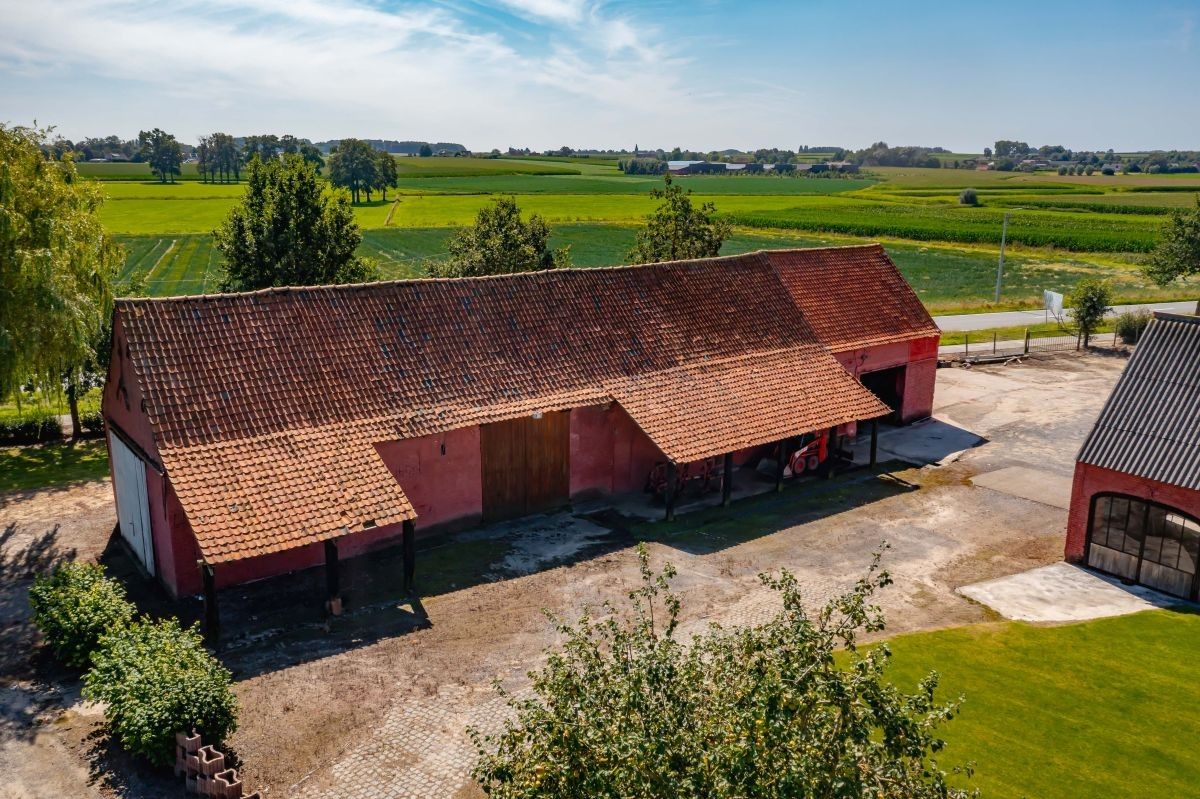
(1150,426)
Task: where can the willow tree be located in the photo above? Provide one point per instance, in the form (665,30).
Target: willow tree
(57,269)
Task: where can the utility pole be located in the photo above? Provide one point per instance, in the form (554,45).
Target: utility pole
(1000,268)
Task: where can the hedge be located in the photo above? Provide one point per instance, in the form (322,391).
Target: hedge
(74,605)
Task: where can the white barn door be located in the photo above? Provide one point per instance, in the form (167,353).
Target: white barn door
(133,505)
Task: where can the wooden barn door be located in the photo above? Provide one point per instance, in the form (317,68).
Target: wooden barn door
(526,465)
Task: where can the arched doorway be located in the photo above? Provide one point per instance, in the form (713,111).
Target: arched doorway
(1148,543)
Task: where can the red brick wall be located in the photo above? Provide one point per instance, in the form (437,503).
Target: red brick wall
(919,357)
(1092,480)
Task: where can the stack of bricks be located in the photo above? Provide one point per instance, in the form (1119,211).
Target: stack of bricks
(203,770)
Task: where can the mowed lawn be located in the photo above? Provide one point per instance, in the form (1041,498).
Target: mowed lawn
(1104,709)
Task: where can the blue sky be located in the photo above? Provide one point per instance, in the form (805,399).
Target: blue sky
(599,73)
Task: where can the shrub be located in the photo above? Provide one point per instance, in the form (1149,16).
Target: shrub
(968,197)
(627,706)
(1131,324)
(1091,170)
(74,606)
(158,679)
(1108,170)
(92,422)
(31,430)
(1062,170)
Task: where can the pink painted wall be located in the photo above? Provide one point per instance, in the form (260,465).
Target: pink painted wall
(592,443)
(634,455)
(1092,480)
(441,474)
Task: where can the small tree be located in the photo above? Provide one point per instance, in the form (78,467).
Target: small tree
(625,708)
(74,605)
(159,680)
(161,151)
(501,243)
(426,151)
(289,229)
(678,230)
(968,197)
(1177,255)
(1090,300)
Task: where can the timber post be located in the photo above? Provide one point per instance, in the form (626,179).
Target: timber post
(782,464)
(831,453)
(409,551)
(727,480)
(212,614)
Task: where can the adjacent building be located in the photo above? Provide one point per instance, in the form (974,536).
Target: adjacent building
(1135,504)
(258,433)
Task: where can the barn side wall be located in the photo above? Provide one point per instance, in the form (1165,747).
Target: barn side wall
(1092,480)
(919,359)
(441,475)
(122,398)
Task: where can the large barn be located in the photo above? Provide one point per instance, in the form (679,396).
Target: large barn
(1135,502)
(258,433)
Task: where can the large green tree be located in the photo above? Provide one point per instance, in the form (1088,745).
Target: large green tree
(1178,253)
(57,268)
(792,707)
(290,229)
(353,166)
(501,243)
(678,229)
(162,152)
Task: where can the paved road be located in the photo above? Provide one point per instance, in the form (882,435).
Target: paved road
(985,321)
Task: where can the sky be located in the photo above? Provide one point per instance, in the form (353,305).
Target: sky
(701,75)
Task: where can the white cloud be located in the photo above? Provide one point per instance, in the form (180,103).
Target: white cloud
(419,71)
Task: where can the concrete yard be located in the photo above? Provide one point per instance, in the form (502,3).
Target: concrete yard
(376,702)
(1064,592)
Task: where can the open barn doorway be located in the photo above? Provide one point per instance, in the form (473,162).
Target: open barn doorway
(888,386)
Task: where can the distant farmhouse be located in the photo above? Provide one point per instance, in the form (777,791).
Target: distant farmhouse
(1135,503)
(260,433)
(724,168)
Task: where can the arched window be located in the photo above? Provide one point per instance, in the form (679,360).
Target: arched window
(1144,541)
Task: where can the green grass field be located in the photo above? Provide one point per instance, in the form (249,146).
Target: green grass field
(47,465)
(1099,709)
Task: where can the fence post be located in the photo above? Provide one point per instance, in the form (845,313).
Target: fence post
(994,343)
(1026,341)
(966,344)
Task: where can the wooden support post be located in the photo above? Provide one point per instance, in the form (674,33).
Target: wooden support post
(832,453)
(212,615)
(782,464)
(669,495)
(409,547)
(332,578)
(727,480)
(1026,341)
(874,441)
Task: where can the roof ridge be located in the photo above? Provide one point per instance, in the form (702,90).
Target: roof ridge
(1171,316)
(325,287)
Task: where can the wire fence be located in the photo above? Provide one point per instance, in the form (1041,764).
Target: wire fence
(981,346)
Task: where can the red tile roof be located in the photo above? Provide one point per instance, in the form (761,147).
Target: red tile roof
(853,296)
(265,406)
(708,408)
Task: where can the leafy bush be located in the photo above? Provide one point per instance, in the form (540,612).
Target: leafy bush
(92,422)
(74,606)
(968,197)
(1131,324)
(30,430)
(625,708)
(157,680)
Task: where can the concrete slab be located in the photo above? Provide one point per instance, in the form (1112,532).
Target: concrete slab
(1062,592)
(1049,488)
(934,440)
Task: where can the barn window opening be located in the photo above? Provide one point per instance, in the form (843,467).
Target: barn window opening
(1145,542)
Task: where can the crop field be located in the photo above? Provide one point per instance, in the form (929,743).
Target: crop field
(1068,230)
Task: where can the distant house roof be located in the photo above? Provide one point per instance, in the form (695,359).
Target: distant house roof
(1150,426)
(266,406)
